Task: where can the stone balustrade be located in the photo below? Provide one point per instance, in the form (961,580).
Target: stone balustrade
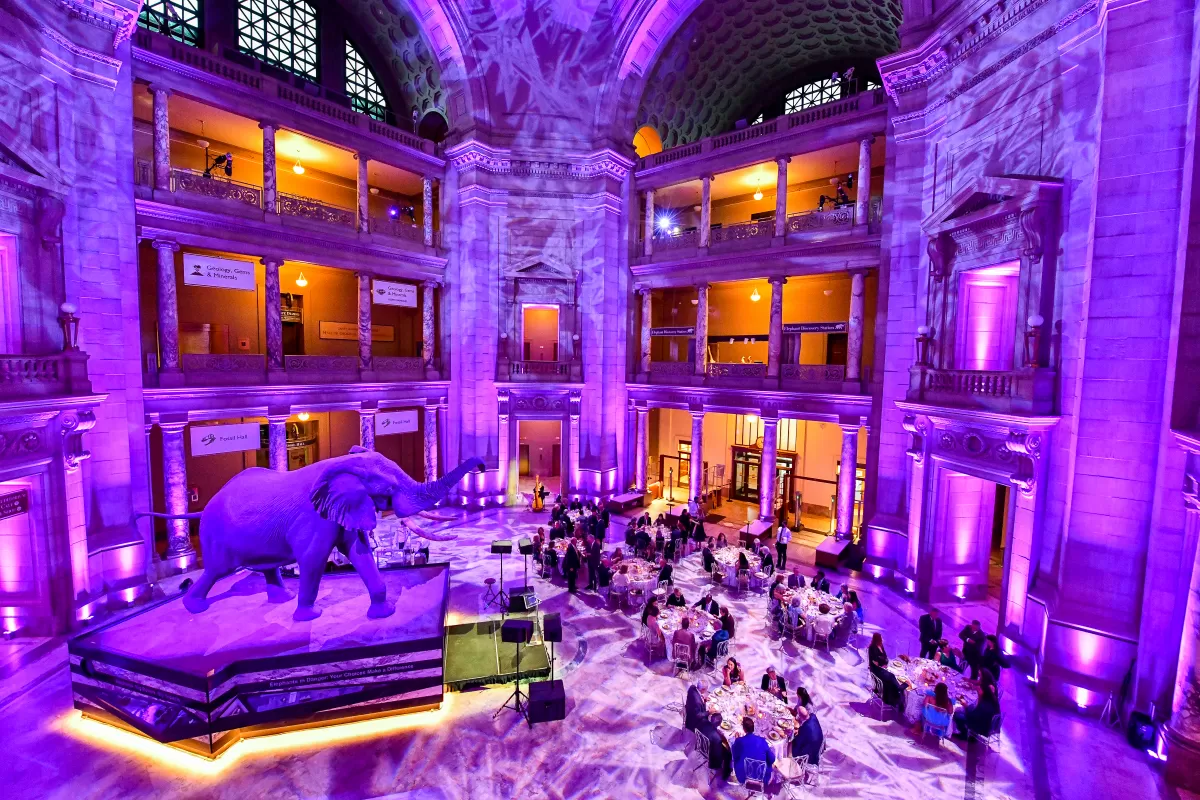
(756,371)
(812,373)
(44,376)
(832,219)
(1022,391)
(399,367)
(678,241)
(398,228)
(250,369)
(759,232)
(308,208)
(544,370)
(671,369)
(193,182)
(817,378)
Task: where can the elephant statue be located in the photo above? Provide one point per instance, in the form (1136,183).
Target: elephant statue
(263,520)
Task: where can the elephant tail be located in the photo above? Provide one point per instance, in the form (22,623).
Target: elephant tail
(160,515)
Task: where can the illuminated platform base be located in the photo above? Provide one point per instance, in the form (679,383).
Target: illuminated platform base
(201,682)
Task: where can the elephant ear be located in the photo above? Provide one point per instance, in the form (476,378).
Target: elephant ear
(358,448)
(342,498)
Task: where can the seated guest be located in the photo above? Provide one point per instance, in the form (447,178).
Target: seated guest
(685,637)
(779,588)
(820,582)
(768,563)
(743,562)
(708,560)
(978,718)
(709,651)
(694,707)
(727,621)
(796,581)
(732,672)
(660,541)
(662,520)
(618,555)
(803,699)
(795,611)
(707,603)
(877,658)
(669,550)
(809,736)
(651,607)
(675,598)
(948,657)
(844,624)
(656,632)
(621,579)
(938,709)
(641,541)
(858,608)
(720,755)
(751,746)
(774,683)
(843,592)
(972,648)
(665,571)
(631,536)
(604,574)
(722,541)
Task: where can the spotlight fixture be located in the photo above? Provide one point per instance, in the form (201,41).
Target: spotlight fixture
(301,281)
(393,212)
(664,222)
(695,301)
(302,416)
(755,296)
(298,168)
(731,340)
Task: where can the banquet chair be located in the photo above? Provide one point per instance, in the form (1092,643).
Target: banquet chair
(991,739)
(935,726)
(683,660)
(756,777)
(877,695)
(813,773)
(636,598)
(620,594)
(759,581)
(792,772)
(787,629)
(704,749)
(719,651)
(743,580)
(653,644)
(821,637)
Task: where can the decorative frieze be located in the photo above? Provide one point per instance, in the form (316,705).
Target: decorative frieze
(602,163)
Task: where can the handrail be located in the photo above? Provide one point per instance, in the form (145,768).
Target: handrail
(308,208)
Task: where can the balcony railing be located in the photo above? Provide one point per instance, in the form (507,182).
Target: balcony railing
(677,241)
(813,373)
(250,369)
(224,369)
(757,371)
(193,182)
(44,376)
(307,208)
(826,378)
(1028,390)
(557,369)
(742,231)
(400,229)
(671,369)
(832,219)
(399,367)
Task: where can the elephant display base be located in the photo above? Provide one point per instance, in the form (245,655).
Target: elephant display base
(263,670)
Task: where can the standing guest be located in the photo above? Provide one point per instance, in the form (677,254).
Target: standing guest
(774,683)
(930,627)
(685,637)
(727,624)
(704,506)
(751,746)
(732,672)
(676,599)
(665,571)
(809,736)
(979,718)
(877,657)
(993,659)
(699,537)
(706,603)
(781,545)
(720,755)
(694,508)
(972,648)
(571,564)
(594,552)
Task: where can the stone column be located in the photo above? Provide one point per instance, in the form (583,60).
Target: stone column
(573,457)
(427,210)
(639,468)
(270,176)
(273,315)
(366,426)
(162,139)
(364,321)
(364,196)
(696,469)
(504,459)
(168,314)
(781,165)
(644,339)
(277,441)
(845,484)
(766,470)
(431,442)
(702,329)
(775,342)
(180,553)
(428,335)
(1182,731)
(862,200)
(648,245)
(854,328)
(705,209)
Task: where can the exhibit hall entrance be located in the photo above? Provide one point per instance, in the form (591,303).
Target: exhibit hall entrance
(539,455)
(972,520)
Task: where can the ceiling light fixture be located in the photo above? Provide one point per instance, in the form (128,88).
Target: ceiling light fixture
(758,195)
(755,296)
(298,168)
(302,416)
(301,281)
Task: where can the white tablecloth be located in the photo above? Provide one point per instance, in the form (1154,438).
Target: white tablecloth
(923,675)
(773,720)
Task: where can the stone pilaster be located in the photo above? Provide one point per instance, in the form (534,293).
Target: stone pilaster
(366,426)
(845,483)
(168,314)
(767,469)
(781,165)
(702,330)
(364,196)
(180,553)
(648,244)
(428,334)
(572,478)
(364,322)
(270,176)
(431,442)
(696,469)
(277,440)
(862,202)
(273,314)
(705,209)
(162,138)
(644,333)
(642,443)
(854,328)
(427,210)
(775,332)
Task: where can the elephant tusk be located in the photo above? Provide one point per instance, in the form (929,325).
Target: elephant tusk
(435,517)
(426,535)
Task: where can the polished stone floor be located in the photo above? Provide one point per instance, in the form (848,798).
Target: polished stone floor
(618,741)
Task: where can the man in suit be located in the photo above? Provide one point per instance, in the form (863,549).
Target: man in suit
(594,551)
(972,649)
(707,603)
(685,637)
(665,571)
(694,707)
(571,564)
(930,626)
(720,755)
(809,736)
(775,684)
(753,746)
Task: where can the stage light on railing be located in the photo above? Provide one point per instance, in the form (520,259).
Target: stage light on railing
(301,281)
(298,168)
(664,222)
(393,212)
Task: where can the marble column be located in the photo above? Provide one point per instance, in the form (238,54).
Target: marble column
(775,332)
(854,328)
(705,209)
(1182,731)
(168,311)
(862,201)
(767,469)
(648,245)
(364,321)
(162,139)
(428,332)
(277,441)
(431,443)
(366,427)
(644,339)
(504,457)
(180,552)
(273,315)
(696,468)
(781,165)
(427,210)
(845,483)
(639,468)
(702,329)
(364,196)
(573,454)
(270,176)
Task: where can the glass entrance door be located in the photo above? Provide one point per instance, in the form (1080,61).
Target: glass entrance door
(745,475)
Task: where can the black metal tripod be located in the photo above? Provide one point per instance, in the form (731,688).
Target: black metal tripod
(518,701)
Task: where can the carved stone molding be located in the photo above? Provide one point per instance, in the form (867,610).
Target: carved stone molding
(120,18)
(72,426)
(601,163)
(917,427)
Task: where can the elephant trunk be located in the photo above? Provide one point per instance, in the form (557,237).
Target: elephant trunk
(429,494)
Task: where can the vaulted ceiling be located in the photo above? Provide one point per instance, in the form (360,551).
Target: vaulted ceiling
(729,53)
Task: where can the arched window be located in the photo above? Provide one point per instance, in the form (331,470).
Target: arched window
(361,85)
(179,19)
(812,94)
(280,32)
(647,141)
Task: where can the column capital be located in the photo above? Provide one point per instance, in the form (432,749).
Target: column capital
(268,123)
(173,426)
(431,283)
(360,156)
(431,406)
(869,139)
(769,421)
(278,419)
(368,407)
(697,412)
(782,161)
(849,428)
(707,177)
(702,286)
(155,88)
(268,260)
(777,280)
(165,244)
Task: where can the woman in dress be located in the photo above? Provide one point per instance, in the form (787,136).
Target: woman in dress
(938,710)
(539,494)
(877,657)
(743,562)
(733,672)
(803,699)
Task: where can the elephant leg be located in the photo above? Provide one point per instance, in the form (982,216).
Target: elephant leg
(275,591)
(310,581)
(360,557)
(196,599)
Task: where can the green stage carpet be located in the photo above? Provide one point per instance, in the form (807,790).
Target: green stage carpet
(475,656)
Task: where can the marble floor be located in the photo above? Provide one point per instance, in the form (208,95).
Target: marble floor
(618,740)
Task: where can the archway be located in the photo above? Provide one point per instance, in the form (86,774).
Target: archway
(647,142)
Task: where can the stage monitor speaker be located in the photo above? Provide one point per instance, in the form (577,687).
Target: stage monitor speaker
(523,599)
(552,627)
(516,631)
(502,546)
(525,546)
(547,701)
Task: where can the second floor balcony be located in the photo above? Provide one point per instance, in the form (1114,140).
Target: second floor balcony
(1027,391)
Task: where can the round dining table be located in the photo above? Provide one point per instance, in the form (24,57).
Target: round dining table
(773,719)
(922,675)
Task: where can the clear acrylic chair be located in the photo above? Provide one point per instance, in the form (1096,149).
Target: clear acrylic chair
(756,776)
(703,747)
(876,700)
(683,660)
(792,772)
(992,738)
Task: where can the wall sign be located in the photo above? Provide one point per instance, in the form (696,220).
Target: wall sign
(348,331)
(220,273)
(388,422)
(209,440)
(390,293)
(14,503)
(290,315)
(683,331)
(815,327)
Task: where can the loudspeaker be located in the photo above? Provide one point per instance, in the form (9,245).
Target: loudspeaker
(525,546)
(516,631)
(552,627)
(523,599)
(502,546)
(1140,732)
(547,701)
